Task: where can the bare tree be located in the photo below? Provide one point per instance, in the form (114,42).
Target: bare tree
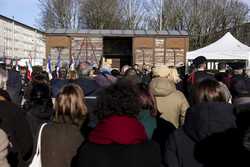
(214,16)
(197,17)
(132,14)
(59,14)
(152,18)
(100,14)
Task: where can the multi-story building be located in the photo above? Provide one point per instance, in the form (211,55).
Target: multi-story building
(19,41)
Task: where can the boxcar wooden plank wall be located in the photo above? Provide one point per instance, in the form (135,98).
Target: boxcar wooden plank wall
(159,51)
(143,50)
(150,50)
(56,45)
(87,49)
(176,51)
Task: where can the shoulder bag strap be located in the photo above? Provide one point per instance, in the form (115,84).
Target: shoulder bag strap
(38,147)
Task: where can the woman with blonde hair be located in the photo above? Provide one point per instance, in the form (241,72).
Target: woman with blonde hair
(171,103)
(171,73)
(175,78)
(61,139)
(174,75)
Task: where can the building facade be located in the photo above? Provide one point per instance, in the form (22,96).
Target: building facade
(19,41)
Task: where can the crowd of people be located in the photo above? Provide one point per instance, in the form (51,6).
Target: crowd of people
(133,117)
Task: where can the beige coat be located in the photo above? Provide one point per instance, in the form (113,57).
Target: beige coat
(170,102)
(4,142)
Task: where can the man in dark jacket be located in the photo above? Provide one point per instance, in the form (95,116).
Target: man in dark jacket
(200,70)
(202,121)
(39,108)
(239,85)
(222,75)
(14,86)
(198,75)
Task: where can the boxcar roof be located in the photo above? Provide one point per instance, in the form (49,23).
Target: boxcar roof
(111,33)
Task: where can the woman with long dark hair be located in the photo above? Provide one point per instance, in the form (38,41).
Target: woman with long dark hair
(148,112)
(119,139)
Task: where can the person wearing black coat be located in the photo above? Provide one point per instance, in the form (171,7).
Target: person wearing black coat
(114,155)
(39,108)
(222,75)
(202,121)
(238,85)
(229,148)
(15,86)
(198,75)
(239,89)
(17,128)
(163,129)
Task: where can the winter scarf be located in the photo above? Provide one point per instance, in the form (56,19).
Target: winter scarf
(118,130)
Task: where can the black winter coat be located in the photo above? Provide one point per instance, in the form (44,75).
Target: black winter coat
(183,148)
(114,155)
(37,114)
(17,128)
(14,86)
(161,133)
(239,87)
(221,77)
(202,75)
(230,148)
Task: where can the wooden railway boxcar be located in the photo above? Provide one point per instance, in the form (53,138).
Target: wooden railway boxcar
(118,47)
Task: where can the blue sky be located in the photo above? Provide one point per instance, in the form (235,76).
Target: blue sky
(27,11)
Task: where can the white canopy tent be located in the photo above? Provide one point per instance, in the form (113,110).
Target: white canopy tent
(226,48)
